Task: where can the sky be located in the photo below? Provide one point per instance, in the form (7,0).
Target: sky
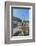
(23,14)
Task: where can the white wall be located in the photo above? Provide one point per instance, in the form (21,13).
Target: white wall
(2,25)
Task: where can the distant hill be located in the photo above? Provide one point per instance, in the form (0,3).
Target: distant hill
(16,19)
(19,20)
(26,21)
